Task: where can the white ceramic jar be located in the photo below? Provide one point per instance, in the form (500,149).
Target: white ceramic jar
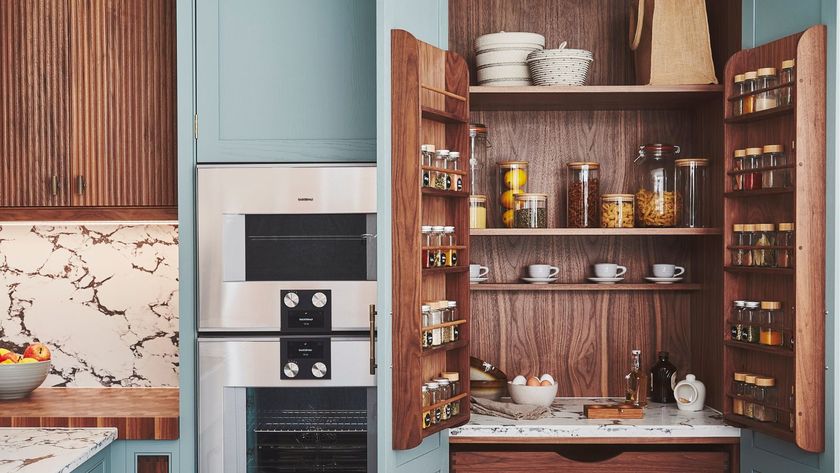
(690,394)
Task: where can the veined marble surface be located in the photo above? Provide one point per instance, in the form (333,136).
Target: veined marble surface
(103,297)
(567,420)
(50,450)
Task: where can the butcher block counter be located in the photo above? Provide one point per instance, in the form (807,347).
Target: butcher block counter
(136,413)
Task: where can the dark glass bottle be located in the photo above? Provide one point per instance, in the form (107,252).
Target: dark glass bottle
(663,378)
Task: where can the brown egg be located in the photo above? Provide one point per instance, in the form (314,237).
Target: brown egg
(545,383)
(533,381)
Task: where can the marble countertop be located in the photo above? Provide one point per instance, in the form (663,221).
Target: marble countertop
(25,450)
(567,421)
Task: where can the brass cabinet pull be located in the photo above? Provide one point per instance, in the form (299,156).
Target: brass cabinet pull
(54,185)
(373,339)
(80,185)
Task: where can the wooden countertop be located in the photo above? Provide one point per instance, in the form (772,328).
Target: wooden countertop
(137,413)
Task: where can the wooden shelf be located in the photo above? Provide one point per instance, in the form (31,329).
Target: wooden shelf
(649,287)
(441,116)
(769,428)
(776,351)
(759,192)
(446,269)
(762,115)
(445,347)
(759,270)
(444,193)
(593,97)
(450,423)
(594,231)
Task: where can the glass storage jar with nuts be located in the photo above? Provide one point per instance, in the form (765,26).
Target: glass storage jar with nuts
(513,179)
(582,194)
(657,202)
(617,211)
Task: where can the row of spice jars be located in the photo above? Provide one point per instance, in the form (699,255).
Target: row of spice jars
(759,322)
(757,90)
(766,160)
(755,396)
(439,246)
(436,391)
(433,315)
(434,166)
(763,245)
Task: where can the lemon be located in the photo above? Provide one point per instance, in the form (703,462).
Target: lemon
(515,178)
(508,197)
(507,219)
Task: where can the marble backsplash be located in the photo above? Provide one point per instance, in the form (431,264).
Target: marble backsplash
(103,297)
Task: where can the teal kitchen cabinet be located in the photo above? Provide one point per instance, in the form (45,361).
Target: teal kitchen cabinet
(144,456)
(99,463)
(285,81)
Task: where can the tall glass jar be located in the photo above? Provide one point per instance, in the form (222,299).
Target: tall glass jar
(752,322)
(617,211)
(753,160)
(427,157)
(656,199)
(774,155)
(440,178)
(738,89)
(449,241)
(763,238)
(693,186)
(456,181)
(787,76)
(749,87)
(513,180)
(738,164)
(531,211)
(768,98)
(478,158)
(478,211)
(583,194)
(772,324)
(786,241)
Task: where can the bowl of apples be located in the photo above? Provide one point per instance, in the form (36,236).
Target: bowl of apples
(22,374)
(535,391)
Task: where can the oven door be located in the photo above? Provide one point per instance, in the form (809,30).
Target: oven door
(252,420)
(267,229)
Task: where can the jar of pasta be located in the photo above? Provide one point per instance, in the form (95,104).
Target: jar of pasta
(657,201)
(617,211)
(513,179)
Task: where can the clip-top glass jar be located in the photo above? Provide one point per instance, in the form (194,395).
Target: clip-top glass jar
(513,179)
(768,98)
(531,211)
(617,211)
(478,157)
(738,89)
(656,199)
(478,211)
(787,76)
(583,194)
(693,186)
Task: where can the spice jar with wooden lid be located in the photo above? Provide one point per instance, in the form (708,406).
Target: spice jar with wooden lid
(763,238)
(774,156)
(749,392)
(766,393)
(531,211)
(582,194)
(617,211)
(787,76)
(752,160)
(785,241)
(478,211)
(766,99)
(739,387)
(749,88)
(772,320)
(738,89)
(738,164)
(513,180)
(738,239)
(693,185)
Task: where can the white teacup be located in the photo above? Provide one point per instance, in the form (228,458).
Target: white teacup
(542,271)
(609,270)
(667,271)
(478,271)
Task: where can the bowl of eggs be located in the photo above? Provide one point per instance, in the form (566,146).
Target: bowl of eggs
(532,390)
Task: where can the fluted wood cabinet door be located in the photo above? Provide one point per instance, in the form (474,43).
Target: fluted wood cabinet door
(34,108)
(123,104)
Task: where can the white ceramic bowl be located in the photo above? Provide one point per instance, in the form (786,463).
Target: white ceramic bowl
(19,380)
(534,395)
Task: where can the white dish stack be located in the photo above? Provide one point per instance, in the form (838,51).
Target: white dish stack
(560,66)
(500,57)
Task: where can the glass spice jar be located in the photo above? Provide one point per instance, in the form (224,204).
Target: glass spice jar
(445,393)
(452,309)
(749,388)
(456,179)
(478,157)
(427,401)
(738,164)
(478,211)
(785,241)
(749,87)
(429,247)
(737,319)
(738,387)
(766,99)
(426,317)
(434,398)
(752,160)
(446,317)
(436,318)
(437,243)
(738,89)
(427,156)
(693,185)
(617,211)
(787,76)
(513,179)
(454,381)
(752,322)
(450,240)
(749,240)
(772,324)
(737,254)
(440,178)
(657,202)
(531,211)
(763,239)
(774,155)
(582,194)
(765,414)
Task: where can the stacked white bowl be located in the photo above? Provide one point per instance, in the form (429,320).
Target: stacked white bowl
(562,66)
(500,57)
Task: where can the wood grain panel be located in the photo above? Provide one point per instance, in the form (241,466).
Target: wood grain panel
(123,103)
(137,413)
(87,213)
(588,460)
(152,464)
(34,109)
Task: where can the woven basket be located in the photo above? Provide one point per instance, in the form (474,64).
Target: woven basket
(560,66)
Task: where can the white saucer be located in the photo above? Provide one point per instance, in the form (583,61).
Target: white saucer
(478,280)
(606,280)
(539,280)
(664,280)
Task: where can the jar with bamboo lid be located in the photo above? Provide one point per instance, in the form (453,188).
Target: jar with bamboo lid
(617,211)
(512,180)
(478,211)
(749,393)
(785,242)
(693,186)
(787,76)
(749,87)
(772,320)
(531,210)
(738,89)
(766,99)
(738,240)
(739,385)
(752,160)
(774,156)
(749,239)
(764,237)
(583,192)
(738,164)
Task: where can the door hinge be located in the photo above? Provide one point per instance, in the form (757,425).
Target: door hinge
(195,126)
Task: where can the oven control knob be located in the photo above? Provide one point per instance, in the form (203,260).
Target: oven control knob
(319,370)
(291,369)
(291,300)
(319,299)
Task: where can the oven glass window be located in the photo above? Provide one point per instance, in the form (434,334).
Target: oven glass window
(311,247)
(305,429)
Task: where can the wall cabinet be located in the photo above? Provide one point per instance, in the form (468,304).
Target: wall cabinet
(89,90)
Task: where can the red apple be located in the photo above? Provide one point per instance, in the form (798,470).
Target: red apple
(11,356)
(39,351)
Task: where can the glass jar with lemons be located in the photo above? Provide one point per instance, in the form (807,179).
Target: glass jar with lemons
(513,178)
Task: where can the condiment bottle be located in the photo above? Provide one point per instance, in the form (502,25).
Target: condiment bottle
(457,181)
(749,88)
(663,378)
(738,89)
(766,99)
(787,76)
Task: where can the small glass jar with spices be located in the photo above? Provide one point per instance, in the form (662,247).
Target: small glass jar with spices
(434,398)
(440,178)
(749,240)
(749,392)
(618,211)
(752,160)
(455,382)
(738,240)
(452,316)
(785,242)
(435,319)
(531,211)
(765,390)
(750,86)
(446,317)
(445,393)
(583,194)
(427,157)
(772,324)
(738,164)
(763,238)
(450,240)
(737,318)
(774,156)
(738,89)
(426,401)
(738,386)
(787,76)
(456,179)
(478,211)
(438,235)
(766,99)
(513,180)
(429,246)
(752,322)
(426,320)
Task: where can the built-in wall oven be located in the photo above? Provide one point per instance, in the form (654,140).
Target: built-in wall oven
(287,283)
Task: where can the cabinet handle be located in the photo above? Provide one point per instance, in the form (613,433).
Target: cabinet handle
(80,185)
(54,185)
(373,339)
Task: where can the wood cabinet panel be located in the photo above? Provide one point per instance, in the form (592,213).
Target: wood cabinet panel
(122,88)
(34,108)
(152,464)
(585,461)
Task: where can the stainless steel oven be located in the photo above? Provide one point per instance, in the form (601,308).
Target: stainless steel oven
(267,230)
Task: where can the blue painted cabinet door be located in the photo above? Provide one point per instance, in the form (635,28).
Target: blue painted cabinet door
(427,20)
(764,21)
(285,80)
